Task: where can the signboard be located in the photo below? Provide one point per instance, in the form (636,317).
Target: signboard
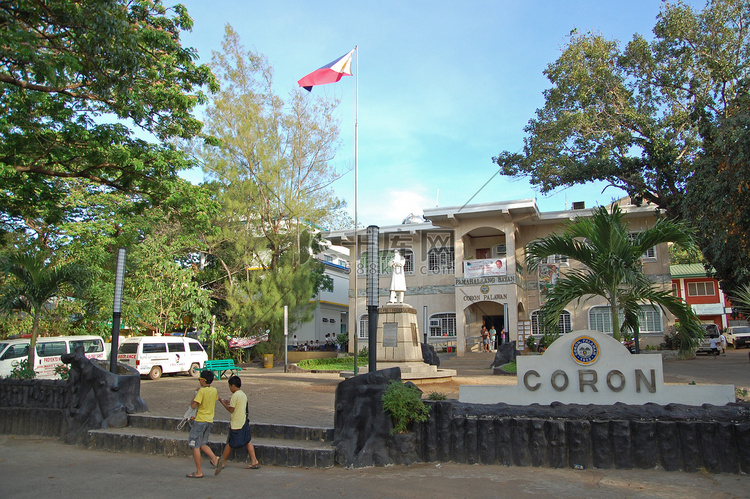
(589,367)
(485,267)
(475,281)
(390,334)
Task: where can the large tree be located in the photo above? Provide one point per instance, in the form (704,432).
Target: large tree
(76,79)
(637,117)
(612,268)
(272,174)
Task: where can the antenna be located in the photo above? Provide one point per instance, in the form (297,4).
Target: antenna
(437,198)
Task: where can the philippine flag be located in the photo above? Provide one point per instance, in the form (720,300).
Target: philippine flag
(330,73)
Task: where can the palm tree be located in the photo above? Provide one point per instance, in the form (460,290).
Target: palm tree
(32,282)
(612,259)
(741,300)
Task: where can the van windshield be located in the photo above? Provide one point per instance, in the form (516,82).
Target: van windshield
(128,348)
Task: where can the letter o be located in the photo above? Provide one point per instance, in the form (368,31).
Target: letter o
(612,374)
(554,377)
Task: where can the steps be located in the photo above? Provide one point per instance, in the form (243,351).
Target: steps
(292,446)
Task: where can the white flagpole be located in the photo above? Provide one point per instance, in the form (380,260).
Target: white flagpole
(356,201)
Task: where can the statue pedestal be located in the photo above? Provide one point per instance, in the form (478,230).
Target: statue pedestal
(399,344)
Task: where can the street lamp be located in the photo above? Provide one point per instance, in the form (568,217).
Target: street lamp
(117,309)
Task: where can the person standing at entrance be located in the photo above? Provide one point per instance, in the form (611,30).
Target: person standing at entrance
(485,339)
(493,337)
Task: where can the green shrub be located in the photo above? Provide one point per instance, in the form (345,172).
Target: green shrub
(404,404)
(436,396)
(531,343)
(22,371)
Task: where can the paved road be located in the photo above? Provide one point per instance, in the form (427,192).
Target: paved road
(33,468)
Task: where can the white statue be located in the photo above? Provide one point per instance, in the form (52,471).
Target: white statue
(398,281)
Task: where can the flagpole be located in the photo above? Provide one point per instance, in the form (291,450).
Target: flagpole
(356,201)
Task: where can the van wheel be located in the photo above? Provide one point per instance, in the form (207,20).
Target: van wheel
(195,370)
(155,372)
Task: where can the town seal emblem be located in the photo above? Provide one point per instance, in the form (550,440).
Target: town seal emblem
(585,350)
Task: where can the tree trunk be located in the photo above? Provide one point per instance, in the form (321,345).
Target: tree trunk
(615,314)
(32,344)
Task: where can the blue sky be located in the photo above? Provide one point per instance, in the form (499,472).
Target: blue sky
(443,86)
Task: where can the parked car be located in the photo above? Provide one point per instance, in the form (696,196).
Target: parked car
(737,335)
(711,331)
(49,349)
(153,356)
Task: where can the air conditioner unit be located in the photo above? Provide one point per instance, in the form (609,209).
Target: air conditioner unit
(434,323)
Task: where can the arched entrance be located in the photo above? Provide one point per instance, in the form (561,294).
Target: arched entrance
(488,313)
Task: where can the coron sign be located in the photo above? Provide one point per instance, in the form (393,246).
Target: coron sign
(588,367)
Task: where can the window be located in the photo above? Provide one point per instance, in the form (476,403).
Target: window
(563,324)
(89,346)
(700,289)
(195,347)
(441,260)
(558,259)
(442,325)
(364,324)
(16,351)
(343,263)
(128,348)
(650,253)
(649,318)
(384,257)
(154,348)
(51,349)
(176,347)
(328,258)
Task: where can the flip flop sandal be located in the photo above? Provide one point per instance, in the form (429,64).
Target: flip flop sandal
(193,475)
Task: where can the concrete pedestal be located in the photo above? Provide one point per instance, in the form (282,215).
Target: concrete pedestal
(399,344)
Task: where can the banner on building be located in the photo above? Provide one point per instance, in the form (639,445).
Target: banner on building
(548,275)
(485,267)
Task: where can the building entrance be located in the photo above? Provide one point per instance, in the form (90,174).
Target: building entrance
(499,322)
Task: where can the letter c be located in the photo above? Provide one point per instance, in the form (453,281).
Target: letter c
(526,380)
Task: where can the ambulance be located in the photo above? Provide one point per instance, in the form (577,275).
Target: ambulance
(153,356)
(49,349)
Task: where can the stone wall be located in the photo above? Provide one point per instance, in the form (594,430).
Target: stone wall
(672,437)
(33,407)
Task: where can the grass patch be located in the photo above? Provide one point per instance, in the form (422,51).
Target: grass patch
(332,364)
(510,367)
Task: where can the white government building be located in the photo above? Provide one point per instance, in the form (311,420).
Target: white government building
(465,267)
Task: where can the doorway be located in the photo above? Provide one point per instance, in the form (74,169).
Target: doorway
(498,321)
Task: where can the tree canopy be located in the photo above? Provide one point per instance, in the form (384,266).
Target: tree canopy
(76,80)
(271,171)
(651,118)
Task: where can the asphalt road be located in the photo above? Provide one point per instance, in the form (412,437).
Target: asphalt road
(33,467)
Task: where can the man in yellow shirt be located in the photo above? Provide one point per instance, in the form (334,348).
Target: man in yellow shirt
(239,427)
(205,404)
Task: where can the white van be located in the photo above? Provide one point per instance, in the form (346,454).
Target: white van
(48,352)
(156,355)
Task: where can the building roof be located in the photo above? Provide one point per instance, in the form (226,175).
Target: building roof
(687,270)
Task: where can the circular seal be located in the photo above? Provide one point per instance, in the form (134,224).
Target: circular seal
(585,350)
(484,289)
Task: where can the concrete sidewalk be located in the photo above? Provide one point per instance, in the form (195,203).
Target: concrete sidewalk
(37,467)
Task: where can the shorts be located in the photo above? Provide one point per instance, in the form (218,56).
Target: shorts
(486,341)
(199,434)
(239,438)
